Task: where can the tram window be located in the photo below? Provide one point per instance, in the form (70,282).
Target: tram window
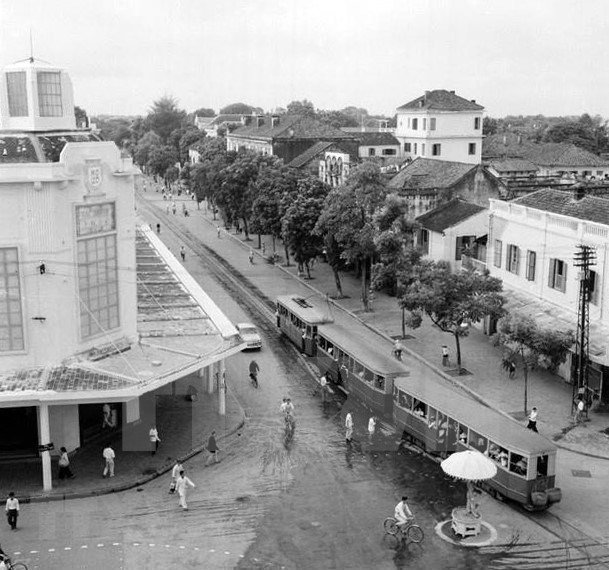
(322,343)
(404,400)
(368,375)
(431,421)
(462,434)
(518,464)
(419,409)
(442,427)
(395,394)
(379,382)
(358,369)
(478,441)
(498,454)
(342,357)
(542,466)
(330,348)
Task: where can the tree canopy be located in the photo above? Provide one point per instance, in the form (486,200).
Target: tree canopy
(165,116)
(239,109)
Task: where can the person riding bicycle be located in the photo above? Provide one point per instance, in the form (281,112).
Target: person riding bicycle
(254,369)
(287,407)
(397,349)
(402,513)
(4,559)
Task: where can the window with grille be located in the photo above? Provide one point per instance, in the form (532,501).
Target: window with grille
(531,262)
(557,277)
(513,258)
(497,253)
(49,94)
(17,93)
(11,315)
(98,285)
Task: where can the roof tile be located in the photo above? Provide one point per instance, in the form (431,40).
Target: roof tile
(441,100)
(449,214)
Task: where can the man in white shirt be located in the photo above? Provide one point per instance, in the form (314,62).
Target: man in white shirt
(532,425)
(154,439)
(402,512)
(182,485)
(348,427)
(108,455)
(175,473)
(12,510)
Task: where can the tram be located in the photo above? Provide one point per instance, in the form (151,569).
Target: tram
(441,421)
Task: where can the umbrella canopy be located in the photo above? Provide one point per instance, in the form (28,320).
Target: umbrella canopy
(469,465)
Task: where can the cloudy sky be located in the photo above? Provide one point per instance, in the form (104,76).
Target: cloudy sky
(512,56)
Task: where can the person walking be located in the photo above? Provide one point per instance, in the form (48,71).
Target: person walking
(183,253)
(532,424)
(218,231)
(108,455)
(263,249)
(511,369)
(175,473)
(153,434)
(445,355)
(213,449)
(64,465)
(251,256)
(182,485)
(348,427)
(579,411)
(12,510)
(323,382)
(158,229)
(371,426)
(173,208)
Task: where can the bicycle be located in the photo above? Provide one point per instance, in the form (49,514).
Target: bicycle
(409,531)
(14,565)
(254,379)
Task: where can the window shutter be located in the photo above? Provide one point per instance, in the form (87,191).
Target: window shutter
(517,264)
(563,284)
(459,247)
(551,273)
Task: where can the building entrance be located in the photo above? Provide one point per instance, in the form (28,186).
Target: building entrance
(19,429)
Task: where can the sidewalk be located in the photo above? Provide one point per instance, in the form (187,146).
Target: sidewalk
(487,379)
(183,427)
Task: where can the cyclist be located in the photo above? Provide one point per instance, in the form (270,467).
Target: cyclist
(402,513)
(254,369)
(397,349)
(4,560)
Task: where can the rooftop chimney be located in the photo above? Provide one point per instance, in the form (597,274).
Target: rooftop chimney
(473,100)
(452,92)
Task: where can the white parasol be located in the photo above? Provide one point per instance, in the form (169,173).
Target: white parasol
(469,465)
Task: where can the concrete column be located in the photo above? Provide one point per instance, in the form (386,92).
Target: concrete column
(45,438)
(222,389)
(214,377)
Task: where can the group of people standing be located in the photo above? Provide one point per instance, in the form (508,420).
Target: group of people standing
(372,421)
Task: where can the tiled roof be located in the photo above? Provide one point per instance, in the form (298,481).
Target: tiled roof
(309,154)
(220,119)
(375,139)
(441,100)
(589,208)
(513,165)
(449,214)
(427,173)
(291,127)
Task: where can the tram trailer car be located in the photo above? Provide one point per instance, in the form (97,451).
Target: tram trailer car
(442,421)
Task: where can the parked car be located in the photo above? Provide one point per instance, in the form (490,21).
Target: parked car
(249,333)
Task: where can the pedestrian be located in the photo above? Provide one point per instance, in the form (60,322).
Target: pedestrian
(532,425)
(512,368)
(213,449)
(64,465)
(251,256)
(263,248)
(397,349)
(445,354)
(348,427)
(107,416)
(108,455)
(175,473)
(371,426)
(218,231)
(183,253)
(323,382)
(579,411)
(167,208)
(153,434)
(173,208)
(12,510)
(158,229)
(182,485)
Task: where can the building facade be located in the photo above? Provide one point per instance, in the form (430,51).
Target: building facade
(441,125)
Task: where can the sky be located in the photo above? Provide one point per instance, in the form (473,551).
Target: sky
(513,57)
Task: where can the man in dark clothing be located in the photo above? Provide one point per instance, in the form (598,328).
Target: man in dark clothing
(212,447)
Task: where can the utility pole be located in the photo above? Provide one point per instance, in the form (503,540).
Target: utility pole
(584,258)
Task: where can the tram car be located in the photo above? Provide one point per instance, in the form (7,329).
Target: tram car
(441,421)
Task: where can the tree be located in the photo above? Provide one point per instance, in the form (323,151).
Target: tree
(237,109)
(337,119)
(165,117)
(489,126)
(453,301)
(81,117)
(206,176)
(533,344)
(299,221)
(161,160)
(149,142)
(205,112)
(303,107)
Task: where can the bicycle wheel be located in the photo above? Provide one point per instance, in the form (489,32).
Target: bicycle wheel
(414,533)
(390,525)
(18,566)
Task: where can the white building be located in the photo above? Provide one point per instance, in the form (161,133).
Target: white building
(532,244)
(441,125)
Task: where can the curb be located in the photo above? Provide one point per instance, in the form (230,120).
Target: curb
(141,481)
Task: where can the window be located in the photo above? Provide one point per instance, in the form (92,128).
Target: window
(98,285)
(558,275)
(419,408)
(424,124)
(17,93)
(11,317)
(436,149)
(49,94)
(478,441)
(518,464)
(371,151)
(422,149)
(593,287)
(432,124)
(424,241)
(415,148)
(476,123)
(471,148)
(408,122)
(497,253)
(513,258)
(407,147)
(531,261)
(388,152)
(415,124)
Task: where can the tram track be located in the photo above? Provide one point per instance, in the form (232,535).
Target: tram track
(573,548)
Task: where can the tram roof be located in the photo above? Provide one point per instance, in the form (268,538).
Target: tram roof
(372,351)
(482,419)
(309,309)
